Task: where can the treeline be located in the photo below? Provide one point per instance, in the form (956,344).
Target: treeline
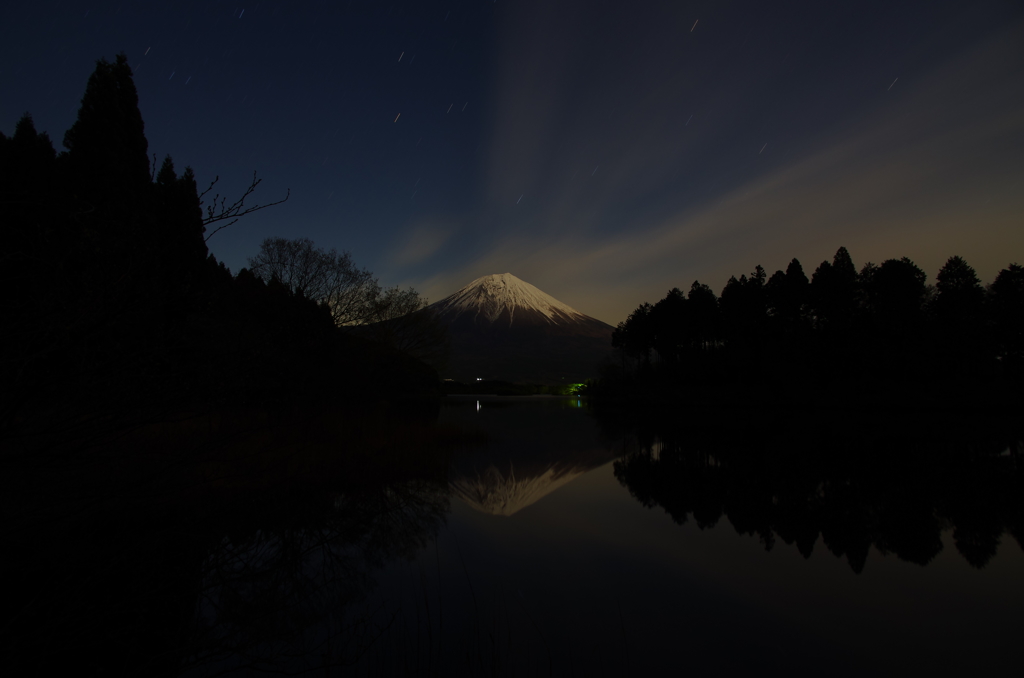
(112,302)
(883,323)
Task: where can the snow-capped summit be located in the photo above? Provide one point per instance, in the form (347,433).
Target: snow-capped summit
(502,327)
(506,299)
(504,493)
(502,479)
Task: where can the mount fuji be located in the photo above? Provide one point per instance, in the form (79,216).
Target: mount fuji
(504,328)
(529,450)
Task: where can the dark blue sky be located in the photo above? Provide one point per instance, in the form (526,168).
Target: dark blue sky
(603,151)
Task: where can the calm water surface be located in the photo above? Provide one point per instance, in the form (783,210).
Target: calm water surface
(521,537)
(549,564)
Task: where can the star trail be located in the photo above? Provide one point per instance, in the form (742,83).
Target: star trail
(712,136)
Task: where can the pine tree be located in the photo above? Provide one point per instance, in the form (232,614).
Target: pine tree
(1007,307)
(833,293)
(960,294)
(177,236)
(669,319)
(107,146)
(787,294)
(702,320)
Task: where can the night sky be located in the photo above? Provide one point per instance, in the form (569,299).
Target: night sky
(602,151)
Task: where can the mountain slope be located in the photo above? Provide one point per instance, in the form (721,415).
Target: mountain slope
(497,298)
(493,490)
(502,327)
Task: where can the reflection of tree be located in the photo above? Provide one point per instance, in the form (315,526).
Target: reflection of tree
(247,547)
(285,597)
(890,486)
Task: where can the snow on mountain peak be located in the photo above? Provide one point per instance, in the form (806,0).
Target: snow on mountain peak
(493,295)
(500,493)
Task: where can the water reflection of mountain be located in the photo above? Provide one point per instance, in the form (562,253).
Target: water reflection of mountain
(508,485)
(894,485)
(529,456)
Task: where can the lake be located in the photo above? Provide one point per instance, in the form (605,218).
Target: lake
(548,564)
(546,536)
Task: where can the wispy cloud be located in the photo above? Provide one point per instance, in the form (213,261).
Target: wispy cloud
(928,171)
(419,243)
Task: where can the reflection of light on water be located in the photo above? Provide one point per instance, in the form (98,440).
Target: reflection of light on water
(659,447)
(656,448)
(478,406)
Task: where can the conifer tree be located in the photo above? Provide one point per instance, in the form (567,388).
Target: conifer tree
(787,294)
(1007,304)
(896,292)
(669,319)
(959,309)
(107,146)
(833,293)
(178,224)
(960,294)
(744,309)
(635,335)
(702,320)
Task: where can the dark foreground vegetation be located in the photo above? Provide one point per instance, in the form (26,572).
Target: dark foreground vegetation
(882,335)
(112,303)
(160,415)
(231,542)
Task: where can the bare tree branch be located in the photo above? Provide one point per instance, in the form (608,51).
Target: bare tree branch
(321,275)
(219,210)
(393,316)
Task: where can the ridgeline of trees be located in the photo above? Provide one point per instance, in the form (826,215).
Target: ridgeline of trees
(839,332)
(112,302)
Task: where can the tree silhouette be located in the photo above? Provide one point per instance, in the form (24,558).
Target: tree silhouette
(321,275)
(959,289)
(702,320)
(114,302)
(959,309)
(635,335)
(218,209)
(1007,295)
(824,336)
(176,242)
(395,317)
(27,176)
(787,294)
(35,263)
(399,318)
(669,320)
(895,292)
(833,293)
(107,147)
(744,313)
(889,483)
